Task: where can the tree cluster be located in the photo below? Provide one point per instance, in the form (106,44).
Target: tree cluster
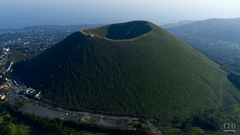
(64,127)
(204,121)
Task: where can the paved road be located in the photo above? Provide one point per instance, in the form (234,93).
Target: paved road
(154,127)
(111,116)
(86,118)
(47,112)
(109,122)
(13,97)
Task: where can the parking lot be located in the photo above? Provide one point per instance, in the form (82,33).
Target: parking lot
(47,112)
(87,118)
(109,122)
(13,97)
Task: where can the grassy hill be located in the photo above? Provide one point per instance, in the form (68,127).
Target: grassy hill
(155,74)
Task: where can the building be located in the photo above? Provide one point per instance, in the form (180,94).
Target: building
(5,49)
(93,35)
(2,97)
(3,86)
(27,90)
(37,95)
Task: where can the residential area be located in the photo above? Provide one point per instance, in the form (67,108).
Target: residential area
(37,38)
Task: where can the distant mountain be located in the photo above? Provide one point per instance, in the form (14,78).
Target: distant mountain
(134,67)
(217,39)
(179,23)
(221,29)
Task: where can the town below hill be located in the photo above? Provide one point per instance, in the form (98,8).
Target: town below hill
(36,39)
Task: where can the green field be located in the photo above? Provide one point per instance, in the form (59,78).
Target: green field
(19,129)
(17,125)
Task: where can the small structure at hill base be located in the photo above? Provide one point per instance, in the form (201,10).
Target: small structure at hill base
(93,35)
(2,97)
(5,86)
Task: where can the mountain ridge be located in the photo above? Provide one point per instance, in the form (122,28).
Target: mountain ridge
(221,29)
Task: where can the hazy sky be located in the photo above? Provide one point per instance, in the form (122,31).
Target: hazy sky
(22,13)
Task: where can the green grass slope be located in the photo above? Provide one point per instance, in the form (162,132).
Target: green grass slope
(44,65)
(156,74)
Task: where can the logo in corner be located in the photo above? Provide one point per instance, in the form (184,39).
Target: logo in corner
(229,127)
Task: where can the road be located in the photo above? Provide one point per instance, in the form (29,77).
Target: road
(109,122)
(154,127)
(13,97)
(47,112)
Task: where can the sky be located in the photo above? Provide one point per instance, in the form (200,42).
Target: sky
(22,13)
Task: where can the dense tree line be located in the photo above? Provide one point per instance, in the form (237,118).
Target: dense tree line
(204,121)
(63,127)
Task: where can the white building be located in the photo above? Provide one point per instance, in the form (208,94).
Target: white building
(2,97)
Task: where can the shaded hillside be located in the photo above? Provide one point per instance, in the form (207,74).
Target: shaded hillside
(44,65)
(235,79)
(156,74)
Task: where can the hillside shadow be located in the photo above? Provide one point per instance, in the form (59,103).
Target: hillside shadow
(234,78)
(18,65)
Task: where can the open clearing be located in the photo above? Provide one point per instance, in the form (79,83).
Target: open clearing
(109,122)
